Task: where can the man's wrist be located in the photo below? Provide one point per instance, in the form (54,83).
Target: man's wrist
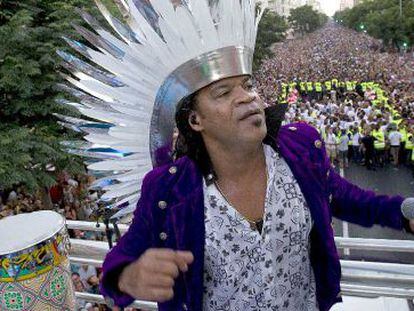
(121,281)
(407,208)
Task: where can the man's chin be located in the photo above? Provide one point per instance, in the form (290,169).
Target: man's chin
(256,131)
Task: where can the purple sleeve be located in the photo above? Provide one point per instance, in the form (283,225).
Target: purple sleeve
(362,207)
(130,247)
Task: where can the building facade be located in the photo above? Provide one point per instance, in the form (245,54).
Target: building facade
(283,7)
(348,4)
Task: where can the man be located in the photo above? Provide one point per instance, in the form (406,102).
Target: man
(86,272)
(369,150)
(331,145)
(343,149)
(356,153)
(242,218)
(395,141)
(240,214)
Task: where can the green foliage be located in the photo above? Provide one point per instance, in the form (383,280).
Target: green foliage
(272,29)
(305,19)
(382,20)
(30,34)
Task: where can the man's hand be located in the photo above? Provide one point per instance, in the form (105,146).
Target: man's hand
(153,275)
(412,225)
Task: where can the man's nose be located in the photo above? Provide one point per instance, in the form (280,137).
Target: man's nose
(244,96)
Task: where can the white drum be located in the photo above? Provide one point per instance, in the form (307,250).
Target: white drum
(34,266)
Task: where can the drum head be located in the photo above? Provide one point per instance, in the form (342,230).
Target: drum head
(25,230)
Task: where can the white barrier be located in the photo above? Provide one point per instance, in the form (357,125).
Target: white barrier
(359,278)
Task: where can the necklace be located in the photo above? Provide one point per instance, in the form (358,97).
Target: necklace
(256,225)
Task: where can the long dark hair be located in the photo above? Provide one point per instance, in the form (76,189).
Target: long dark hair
(190,143)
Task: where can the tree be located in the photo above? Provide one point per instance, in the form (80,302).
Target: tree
(30,34)
(381,19)
(272,29)
(305,19)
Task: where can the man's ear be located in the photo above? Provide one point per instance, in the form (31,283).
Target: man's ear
(194,121)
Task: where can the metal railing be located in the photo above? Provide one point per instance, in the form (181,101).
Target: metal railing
(359,278)
(352,243)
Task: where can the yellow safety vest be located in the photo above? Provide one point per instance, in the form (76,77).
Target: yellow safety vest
(349,86)
(335,82)
(318,87)
(351,136)
(354,84)
(309,86)
(370,85)
(403,133)
(380,139)
(409,144)
(397,121)
(324,135)
(284,90)
(328,85)
(412,156)
(364,86)
(303,86)
(375,102)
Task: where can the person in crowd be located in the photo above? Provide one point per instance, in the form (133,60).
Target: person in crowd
(343,147)
(395,144)
(369,151)
(356,145)
(331,145)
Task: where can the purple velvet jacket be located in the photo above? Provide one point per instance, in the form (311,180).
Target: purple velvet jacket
(180,185)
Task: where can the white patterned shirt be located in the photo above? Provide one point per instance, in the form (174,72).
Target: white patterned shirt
(247,270)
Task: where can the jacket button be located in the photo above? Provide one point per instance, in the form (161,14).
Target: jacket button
(162,204)
(185,308)
(173,170)
(163,236)
(318,144)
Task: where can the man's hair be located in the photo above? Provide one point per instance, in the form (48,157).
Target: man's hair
(190,143)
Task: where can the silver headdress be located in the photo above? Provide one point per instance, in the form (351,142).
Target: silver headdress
(162,54)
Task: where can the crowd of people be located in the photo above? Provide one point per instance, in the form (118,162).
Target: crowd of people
(70,197)
(359,97)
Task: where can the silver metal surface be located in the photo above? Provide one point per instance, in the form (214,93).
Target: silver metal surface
(375,291)
(352,276)
(375,244)
(188,78)
(352,243)
(88,249)
(100,299)
(91,226)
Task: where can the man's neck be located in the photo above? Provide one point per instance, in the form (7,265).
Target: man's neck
(236,164)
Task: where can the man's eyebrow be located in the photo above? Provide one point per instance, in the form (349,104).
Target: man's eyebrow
(219,86)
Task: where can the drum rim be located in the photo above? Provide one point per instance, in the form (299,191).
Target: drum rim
(47,238)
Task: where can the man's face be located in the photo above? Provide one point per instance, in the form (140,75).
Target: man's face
(230,112)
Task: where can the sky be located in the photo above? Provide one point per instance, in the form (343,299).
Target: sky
(330,6)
